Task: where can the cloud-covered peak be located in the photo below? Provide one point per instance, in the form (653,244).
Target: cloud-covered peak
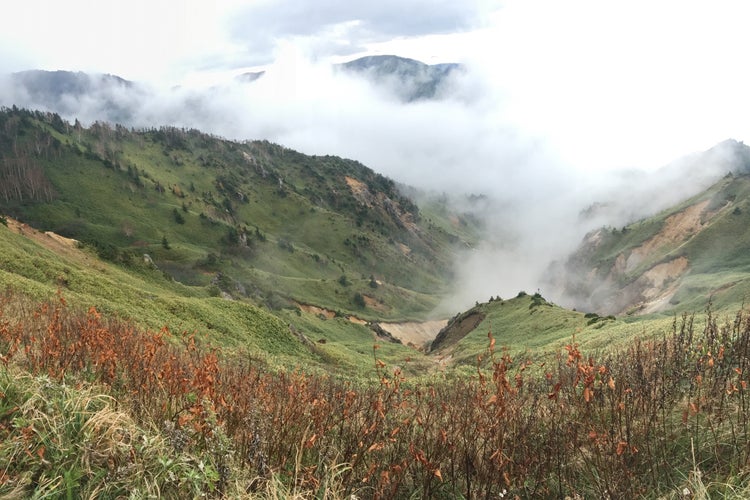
(75,94)
(408,79)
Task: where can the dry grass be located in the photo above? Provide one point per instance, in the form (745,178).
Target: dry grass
(655,419)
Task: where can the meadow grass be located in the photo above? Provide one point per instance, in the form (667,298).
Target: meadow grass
(87,403)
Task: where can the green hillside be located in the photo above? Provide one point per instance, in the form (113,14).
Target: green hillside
(183,316)
(530,327)
(675,261)
(252,220)
(231,240)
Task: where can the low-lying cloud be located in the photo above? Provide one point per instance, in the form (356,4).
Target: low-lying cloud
(464,142)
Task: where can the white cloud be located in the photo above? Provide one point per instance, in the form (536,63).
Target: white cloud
(137,39)
(622,83)
(259,24)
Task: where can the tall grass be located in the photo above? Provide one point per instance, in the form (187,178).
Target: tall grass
(661,417)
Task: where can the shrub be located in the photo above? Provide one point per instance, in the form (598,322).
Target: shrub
(653,419)
(178,218)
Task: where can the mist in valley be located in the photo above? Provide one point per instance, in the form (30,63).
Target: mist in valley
(561,137)
(536,206)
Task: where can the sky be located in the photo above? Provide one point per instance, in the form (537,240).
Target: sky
(592,78)
(562,103)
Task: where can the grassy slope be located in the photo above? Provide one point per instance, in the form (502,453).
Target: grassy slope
(125,192)
(719,264)
(528,326)
(151,300)
(138,292)
(264,225)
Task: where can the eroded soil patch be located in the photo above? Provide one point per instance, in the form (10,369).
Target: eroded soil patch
(457,329)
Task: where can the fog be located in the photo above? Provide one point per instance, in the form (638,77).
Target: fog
(469,140)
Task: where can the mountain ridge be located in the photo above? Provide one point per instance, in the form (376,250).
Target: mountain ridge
(303,221)
(651,265)
(409,79)
(114,97)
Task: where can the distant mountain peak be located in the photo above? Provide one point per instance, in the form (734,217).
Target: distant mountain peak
(63,92)
(45,82)
(409,79)
(382,60)
(250,76)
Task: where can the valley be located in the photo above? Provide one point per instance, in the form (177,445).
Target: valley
(284,250)
(221,291)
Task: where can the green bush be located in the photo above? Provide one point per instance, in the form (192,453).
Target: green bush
(178,218)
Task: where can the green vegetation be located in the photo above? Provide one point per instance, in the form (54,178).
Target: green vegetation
(185,316)
(91,406)
(275,223)
(173,226)
(683,257)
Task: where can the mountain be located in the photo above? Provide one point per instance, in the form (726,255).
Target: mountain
(62,91)
(122,252)
(250,76)
(103,97)
(678,259)
(252,222)
(681,259)
(52,86)
(408,79)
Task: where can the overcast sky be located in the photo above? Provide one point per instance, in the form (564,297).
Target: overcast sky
(642,81)
(557,94)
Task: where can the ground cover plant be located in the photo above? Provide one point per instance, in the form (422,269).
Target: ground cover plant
(86,402)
